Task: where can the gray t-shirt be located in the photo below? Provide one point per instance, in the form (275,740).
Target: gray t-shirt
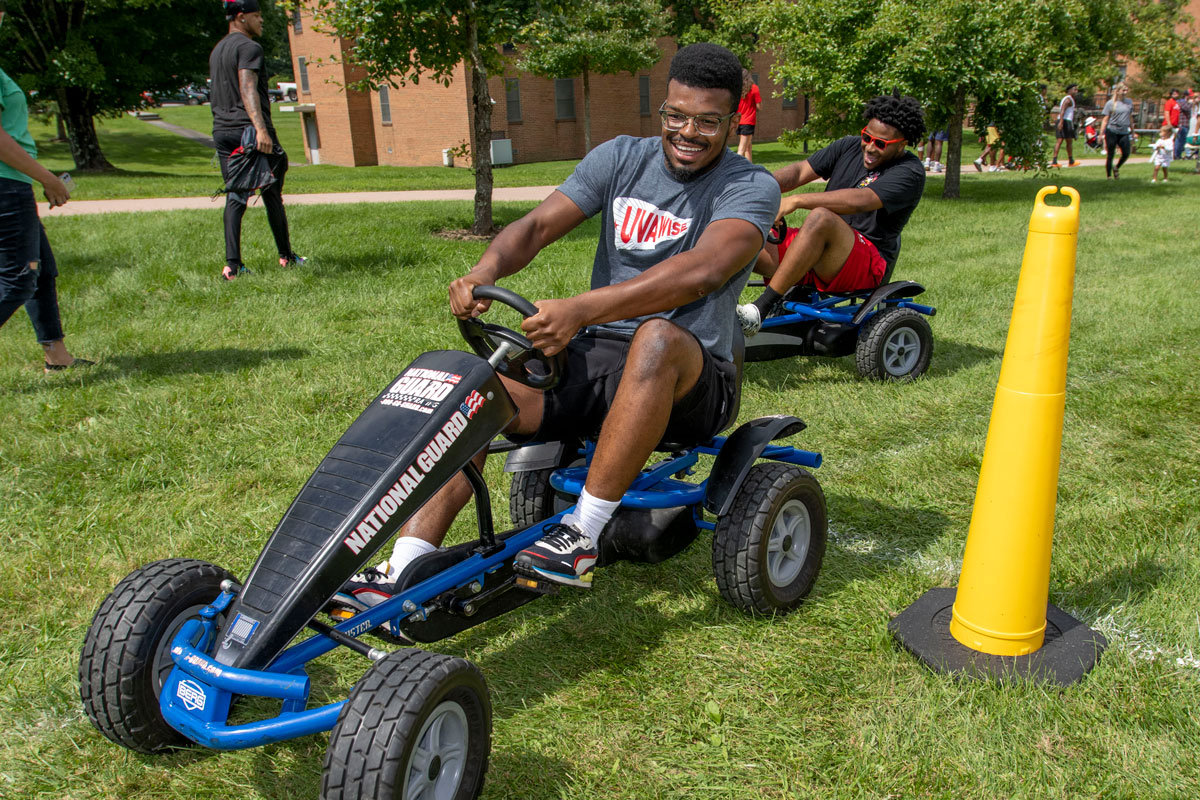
(649,216)
(1120,115)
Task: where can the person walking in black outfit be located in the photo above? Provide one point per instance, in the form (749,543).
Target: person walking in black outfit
(239,99)
(1116,128)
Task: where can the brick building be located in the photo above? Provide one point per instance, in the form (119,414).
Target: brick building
(538,119)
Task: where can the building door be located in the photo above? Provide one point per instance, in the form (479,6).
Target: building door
(311,138)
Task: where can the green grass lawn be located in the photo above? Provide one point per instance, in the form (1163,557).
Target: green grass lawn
(213,402)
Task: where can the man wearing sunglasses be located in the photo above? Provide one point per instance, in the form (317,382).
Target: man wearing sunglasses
(851,236)
(650,348)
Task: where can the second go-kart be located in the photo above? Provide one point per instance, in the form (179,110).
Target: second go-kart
(882,327)
(178,641)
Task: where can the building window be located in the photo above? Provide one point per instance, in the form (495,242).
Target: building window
(385,106)
(296,26)
(564,98)
(644,95)
(512,96)
(789,96)
(303,63)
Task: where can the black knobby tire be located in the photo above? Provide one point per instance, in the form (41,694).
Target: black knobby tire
(895,345)
(768,549)
(417,719)
(532,499)
(126,658)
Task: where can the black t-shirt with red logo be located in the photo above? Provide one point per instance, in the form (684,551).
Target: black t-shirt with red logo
(899,184)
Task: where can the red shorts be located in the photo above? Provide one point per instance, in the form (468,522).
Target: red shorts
(863,268)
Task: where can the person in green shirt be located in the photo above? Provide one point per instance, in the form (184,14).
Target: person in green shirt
(27,268)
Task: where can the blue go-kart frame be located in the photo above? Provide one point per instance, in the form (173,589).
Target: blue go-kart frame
(178,641)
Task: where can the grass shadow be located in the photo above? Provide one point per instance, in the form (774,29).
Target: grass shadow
(950,357)
(183,362)
(1125,584)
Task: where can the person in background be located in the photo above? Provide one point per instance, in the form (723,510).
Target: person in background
(1185,120)
(1064,131)
(936,140)
(1116,127)
(28,271)
(748,111)
(1162,153)
(1171,109)
(240,99)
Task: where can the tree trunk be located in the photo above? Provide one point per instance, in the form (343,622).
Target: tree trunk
(587,114)
(81,130)
(953,160)
(481,106)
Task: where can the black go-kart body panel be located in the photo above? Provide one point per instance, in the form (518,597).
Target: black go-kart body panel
(416,435)
(808,336)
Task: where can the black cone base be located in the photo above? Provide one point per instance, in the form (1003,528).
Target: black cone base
(1070,651)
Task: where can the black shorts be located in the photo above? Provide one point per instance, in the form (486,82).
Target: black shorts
(1068,130)
(745,130)
(576,408)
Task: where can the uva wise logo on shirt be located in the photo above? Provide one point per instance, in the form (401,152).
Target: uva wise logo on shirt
(638,225)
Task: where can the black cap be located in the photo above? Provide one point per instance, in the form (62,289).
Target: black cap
(235,7)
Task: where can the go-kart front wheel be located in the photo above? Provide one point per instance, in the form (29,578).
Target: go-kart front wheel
(895,345)
(126,653)
(768,549)
(418,725)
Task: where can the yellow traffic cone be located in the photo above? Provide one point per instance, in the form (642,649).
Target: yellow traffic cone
(1000,607)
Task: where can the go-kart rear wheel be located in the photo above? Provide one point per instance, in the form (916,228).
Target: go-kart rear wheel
(768,549)
(894,345)
(126,653)
(418,725)
(532,499)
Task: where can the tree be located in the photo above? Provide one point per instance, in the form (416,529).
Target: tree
(593,36)
(948,52)
(96,57)
(397,41)
(729,23)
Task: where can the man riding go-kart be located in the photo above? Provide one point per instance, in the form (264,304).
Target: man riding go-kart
(828,291)
(650,350)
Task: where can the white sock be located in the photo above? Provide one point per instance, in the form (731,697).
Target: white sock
(591,514)
(406,550)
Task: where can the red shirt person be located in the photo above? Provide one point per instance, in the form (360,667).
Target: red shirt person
(747,114)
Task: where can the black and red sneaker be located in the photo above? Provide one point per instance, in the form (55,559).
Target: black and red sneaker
(563,555)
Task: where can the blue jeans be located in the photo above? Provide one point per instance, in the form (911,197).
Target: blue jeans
(27,267)
(1181,138)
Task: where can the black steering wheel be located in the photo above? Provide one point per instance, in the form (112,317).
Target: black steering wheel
(524,363)
(777,232)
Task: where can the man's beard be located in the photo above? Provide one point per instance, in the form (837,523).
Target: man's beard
(687,175)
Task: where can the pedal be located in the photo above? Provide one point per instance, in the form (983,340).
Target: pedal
(340,613)
(536,585)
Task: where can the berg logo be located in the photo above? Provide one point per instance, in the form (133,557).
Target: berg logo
(191,694)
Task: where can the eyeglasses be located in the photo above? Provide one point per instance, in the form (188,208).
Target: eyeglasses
(880,143)
(705,124)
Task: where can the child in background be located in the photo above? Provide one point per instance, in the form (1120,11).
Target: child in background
(1163,151)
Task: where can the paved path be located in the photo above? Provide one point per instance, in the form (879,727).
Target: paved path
(195,136)
(520,193)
